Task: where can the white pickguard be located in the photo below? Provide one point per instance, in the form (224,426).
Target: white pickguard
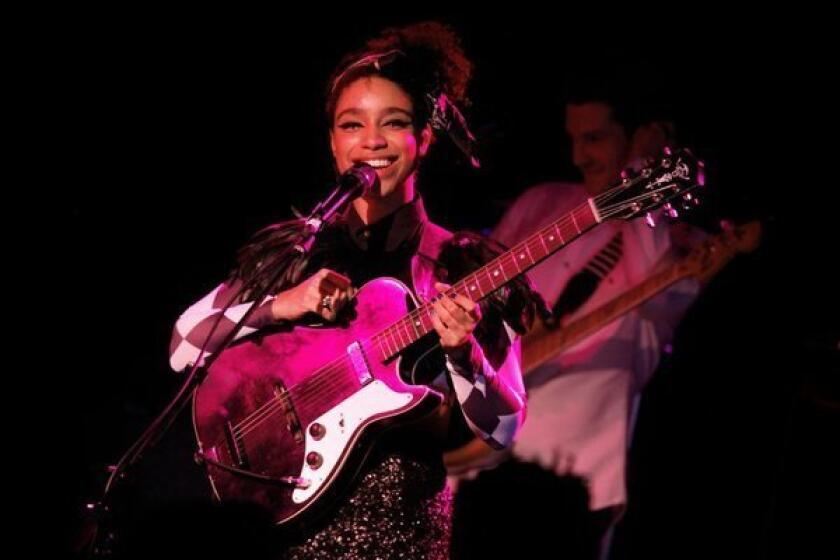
(342,423)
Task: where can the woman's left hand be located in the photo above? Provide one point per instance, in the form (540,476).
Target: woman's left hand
(455,317)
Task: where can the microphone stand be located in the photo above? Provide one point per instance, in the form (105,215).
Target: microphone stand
(98,538)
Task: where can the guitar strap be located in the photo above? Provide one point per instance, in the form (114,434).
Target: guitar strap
(582,285)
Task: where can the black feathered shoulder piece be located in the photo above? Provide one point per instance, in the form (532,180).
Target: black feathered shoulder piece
(271,249)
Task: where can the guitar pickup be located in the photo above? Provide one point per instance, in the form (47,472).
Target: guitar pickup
(291,417)
(360,365)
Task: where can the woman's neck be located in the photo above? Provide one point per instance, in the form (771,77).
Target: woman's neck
(373,209)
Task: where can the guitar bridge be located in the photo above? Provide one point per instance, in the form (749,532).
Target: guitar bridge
(236,447)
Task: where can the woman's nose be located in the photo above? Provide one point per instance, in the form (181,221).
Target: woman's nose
(374,139)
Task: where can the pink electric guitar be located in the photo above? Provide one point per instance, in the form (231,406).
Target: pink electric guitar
(286,419)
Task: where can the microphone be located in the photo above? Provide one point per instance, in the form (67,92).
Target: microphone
(359,180)
(362,177)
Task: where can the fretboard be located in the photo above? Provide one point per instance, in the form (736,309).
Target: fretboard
(490,277)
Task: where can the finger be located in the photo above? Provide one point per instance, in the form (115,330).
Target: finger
(440,328)
(334,278)
(465,303)
(451,334)
(336,296)
(443,314)
(469,306)
(441,287)
(313,300)
(330,311)
(341,299)
(328,287)
(455,310)
(328,315)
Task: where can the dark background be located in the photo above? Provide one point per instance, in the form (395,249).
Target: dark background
(172,140)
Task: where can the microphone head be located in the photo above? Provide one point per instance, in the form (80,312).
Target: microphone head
(361,175)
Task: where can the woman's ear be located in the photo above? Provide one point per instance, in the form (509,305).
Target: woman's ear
(427,137)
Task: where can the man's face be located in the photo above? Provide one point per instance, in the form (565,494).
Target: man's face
(600,146)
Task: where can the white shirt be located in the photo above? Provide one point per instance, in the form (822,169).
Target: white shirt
(581,405)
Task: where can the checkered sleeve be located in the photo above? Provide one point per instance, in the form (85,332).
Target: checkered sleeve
(197,323)
(493,400)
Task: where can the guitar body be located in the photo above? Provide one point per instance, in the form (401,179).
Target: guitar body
(307,404)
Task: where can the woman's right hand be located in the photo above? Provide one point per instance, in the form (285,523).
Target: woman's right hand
(324,293)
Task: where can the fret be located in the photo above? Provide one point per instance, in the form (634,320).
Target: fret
(550,238)
(473,287)
(585,218)
(490,278)
(515,257)
(531,260)
(511,268)
(544,246)
(414,325)
(494,276)
(559,231)
(568,230)
(404,328)
(388,344)
(392,338)
(395,331)
(426,319)
(499,269)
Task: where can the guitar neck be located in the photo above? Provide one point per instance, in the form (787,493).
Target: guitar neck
(541,344)
(704,261)
(492,276)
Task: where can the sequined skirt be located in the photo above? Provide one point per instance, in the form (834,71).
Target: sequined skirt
(401,508)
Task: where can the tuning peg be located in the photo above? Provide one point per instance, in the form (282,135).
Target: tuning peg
(649,220)
(671,211)
(627,175)
(643,168)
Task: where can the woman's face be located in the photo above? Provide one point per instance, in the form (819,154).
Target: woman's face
(374,124)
